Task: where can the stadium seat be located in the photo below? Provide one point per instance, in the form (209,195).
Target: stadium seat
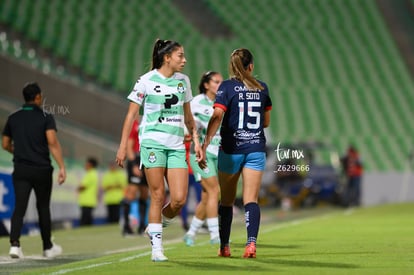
(332,67)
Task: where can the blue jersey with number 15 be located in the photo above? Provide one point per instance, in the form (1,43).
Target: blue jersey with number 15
(242,128)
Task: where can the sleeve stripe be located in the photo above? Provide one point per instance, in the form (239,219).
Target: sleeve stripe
(221,106)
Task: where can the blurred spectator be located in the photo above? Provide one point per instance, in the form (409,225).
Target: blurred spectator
(88,192)
(114,182)
(353,169)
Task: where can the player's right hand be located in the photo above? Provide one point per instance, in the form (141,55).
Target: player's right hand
(120,157)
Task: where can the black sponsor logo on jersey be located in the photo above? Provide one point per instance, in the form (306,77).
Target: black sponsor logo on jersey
(157,89)
(170,100)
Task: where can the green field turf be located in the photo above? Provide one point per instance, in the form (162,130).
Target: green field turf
(373,240)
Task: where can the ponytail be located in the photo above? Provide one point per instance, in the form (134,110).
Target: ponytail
(239,62)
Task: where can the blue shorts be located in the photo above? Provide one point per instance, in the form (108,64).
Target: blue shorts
(233,163)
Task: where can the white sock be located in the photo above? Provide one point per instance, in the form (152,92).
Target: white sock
(155,234)
(166,221)
(196,224)
(213,227)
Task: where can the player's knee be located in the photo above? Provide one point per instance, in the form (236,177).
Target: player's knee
(178,203)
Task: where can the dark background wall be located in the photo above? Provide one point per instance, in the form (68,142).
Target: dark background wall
(89,122)
(71,103)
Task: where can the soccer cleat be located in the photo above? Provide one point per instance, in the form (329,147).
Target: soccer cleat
(250,251)
(52,252)
(158,256)
(188,239)
(225,252)
(215,240)
(16,252)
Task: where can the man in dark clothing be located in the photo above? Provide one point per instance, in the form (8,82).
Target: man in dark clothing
(30,135)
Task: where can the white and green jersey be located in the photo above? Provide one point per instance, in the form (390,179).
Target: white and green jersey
(162,99)
(202,109)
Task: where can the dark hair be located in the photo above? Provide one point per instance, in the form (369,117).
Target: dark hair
(239,62)
(161,48)
(30,91)
(205,78)
(92,161)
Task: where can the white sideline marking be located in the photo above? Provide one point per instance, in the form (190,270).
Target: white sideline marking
(174,241)
(135,256)
(295,223)
(64,271)
(274,228)
(126,259)
(8,260)
(349,211)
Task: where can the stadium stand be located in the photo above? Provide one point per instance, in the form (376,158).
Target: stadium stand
(333,68)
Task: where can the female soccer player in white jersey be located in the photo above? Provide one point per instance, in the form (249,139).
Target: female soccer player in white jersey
(242,107)
(164,94)
(202,108)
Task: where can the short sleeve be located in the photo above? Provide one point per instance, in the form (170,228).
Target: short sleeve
(50,123)
(268,102)
(221,98)
(188,91)
(137,94)
(7,130)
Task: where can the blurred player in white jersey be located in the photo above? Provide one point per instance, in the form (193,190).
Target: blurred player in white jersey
(207,209)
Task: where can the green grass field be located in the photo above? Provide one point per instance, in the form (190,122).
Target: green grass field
(373,240)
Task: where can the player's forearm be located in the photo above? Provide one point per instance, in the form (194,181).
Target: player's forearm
(56,151)
(126,129)
(7,144)
(191,126)
(212,128)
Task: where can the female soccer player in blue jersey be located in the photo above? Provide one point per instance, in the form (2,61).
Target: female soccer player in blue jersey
(164,94)
(242,107)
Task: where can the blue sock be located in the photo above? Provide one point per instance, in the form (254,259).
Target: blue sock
(225,220)
(252,218)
